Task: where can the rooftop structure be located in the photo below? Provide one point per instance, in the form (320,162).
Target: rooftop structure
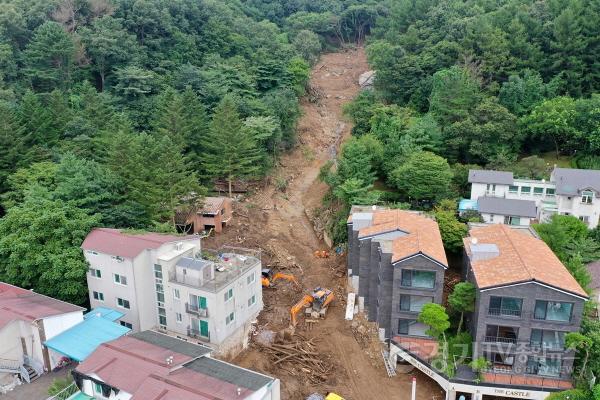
(520,258)
(571,182)
(150,365)
(79,341)
(127,244)
(489,176)
(512,207)
(21,304)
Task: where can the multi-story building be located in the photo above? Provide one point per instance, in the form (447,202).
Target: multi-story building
(150,365)
(396,262)
(527,301)
(162,282)
(568,192)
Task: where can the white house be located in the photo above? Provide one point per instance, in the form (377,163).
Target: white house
(568,192)
(161,282)
(27,320)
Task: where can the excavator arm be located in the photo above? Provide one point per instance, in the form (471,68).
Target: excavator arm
(306,300)
(287,277)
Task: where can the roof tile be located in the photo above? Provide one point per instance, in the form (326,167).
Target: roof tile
(523,258)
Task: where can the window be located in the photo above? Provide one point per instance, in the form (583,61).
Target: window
(510,220)
(228,294)
(96,273)
(418,279)
(92,252)
(123,303)
(550,191)
(513,189)
(158,271)
(544,366)
(491,188)
(98,296)
(98,388)
(251,278)
(587,196)
(413,303)
(538,191)
(229,319)
(120,279)
(162,320)
(176,294)
(178,318)
(500,361)
(585,219)
(126,324)
(505,306)
(118,258)
(403,325)
(549,340)
(553,311)
(252,300)
(525,189)
(501,334)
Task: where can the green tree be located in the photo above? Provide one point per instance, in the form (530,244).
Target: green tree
(577,341)
(39,246)
(522,92)
(308,45)
(560,231)
(231,153)
(41,174)
(452,230)
(553,121)
(434,316)
(49,57)
(12,144)
(462,299)
(423,177)
(155,173)
(108,45)
(454,94)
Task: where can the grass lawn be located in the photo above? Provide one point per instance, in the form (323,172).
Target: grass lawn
(562,161)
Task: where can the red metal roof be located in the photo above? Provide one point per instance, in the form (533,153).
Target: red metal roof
(21,304)
(129,245)
(140,368)
(212,205)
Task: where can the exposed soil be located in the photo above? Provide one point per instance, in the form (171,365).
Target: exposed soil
(275,219)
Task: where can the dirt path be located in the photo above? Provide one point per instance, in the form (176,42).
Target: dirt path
(276,221)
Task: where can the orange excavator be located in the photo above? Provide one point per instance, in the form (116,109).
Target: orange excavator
(320,299)
(269,278)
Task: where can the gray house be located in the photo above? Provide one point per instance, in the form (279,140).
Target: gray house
(527,301)
(396,263)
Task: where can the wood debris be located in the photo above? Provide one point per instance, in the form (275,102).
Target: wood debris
(301,357)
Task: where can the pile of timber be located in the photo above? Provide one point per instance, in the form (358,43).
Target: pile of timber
(300,358)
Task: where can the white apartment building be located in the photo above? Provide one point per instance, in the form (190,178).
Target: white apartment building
(568,192)
(161,282)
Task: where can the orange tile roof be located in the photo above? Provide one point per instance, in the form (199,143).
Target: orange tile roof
(423,235)
(523,258)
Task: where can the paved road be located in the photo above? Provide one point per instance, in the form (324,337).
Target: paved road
(38,390)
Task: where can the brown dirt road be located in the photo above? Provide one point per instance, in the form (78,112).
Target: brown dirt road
(275,220)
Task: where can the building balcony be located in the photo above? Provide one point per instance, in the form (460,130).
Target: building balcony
(195,310)
(195,333)
(505,312)
(499,339)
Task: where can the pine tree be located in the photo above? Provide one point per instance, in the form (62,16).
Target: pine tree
(231,152)
(12,150)
(49,57)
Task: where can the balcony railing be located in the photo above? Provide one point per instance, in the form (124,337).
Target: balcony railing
(194,309)
(499,339)
(195,333)
(552,346)
(504,312)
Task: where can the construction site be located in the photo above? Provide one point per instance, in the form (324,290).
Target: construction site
(309,350)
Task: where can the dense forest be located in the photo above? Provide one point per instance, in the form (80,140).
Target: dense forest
(116,112)
(511,85)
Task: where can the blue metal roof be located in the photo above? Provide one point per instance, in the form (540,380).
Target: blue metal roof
(467,204)
(105,312)
(82,339)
